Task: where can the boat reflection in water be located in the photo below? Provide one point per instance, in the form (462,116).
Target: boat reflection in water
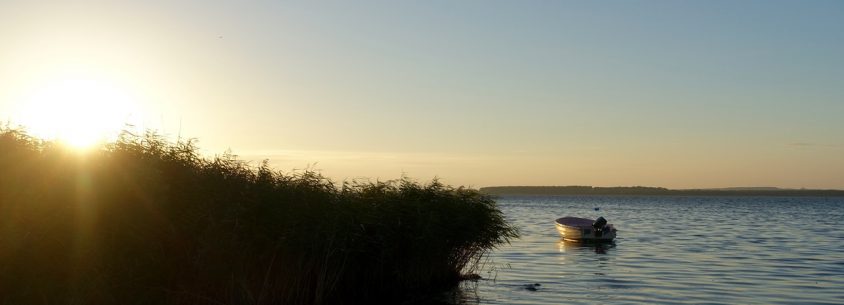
(579,246)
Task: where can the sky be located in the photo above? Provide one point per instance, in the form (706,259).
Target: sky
(678,94)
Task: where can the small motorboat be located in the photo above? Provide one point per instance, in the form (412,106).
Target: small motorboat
(585,230)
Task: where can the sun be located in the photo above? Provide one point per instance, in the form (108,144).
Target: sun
(77,112)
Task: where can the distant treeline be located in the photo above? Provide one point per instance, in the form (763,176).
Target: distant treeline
(652,191)
(146,221)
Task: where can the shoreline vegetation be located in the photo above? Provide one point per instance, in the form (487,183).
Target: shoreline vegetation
(654,191)
(146,221)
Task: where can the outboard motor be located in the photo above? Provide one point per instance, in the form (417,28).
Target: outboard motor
(599,225)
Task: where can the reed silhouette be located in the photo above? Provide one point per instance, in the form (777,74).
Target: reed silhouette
(146,221)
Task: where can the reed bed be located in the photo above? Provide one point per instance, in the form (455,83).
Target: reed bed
(146,221)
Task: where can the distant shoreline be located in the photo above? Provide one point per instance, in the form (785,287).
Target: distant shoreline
(655,191)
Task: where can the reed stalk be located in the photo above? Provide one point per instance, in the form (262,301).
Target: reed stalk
(145,221)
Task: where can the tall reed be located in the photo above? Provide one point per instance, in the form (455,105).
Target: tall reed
(146,221)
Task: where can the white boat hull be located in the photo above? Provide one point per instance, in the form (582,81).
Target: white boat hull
(580,230)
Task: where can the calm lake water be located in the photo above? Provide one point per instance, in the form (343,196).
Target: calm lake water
(670,250)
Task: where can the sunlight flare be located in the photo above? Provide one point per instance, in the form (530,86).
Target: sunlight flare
(78,112)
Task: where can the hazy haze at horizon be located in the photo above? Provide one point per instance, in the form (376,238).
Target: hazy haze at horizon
(657,93)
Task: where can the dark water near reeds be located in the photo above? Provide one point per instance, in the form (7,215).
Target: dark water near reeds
(671,250)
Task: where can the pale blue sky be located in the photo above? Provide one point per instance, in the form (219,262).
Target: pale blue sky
(663,93)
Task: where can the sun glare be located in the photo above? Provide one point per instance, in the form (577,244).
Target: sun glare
(79,113)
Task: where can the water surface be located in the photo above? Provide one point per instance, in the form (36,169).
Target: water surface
(670,250)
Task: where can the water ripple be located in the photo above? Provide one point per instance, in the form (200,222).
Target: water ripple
(671,250)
